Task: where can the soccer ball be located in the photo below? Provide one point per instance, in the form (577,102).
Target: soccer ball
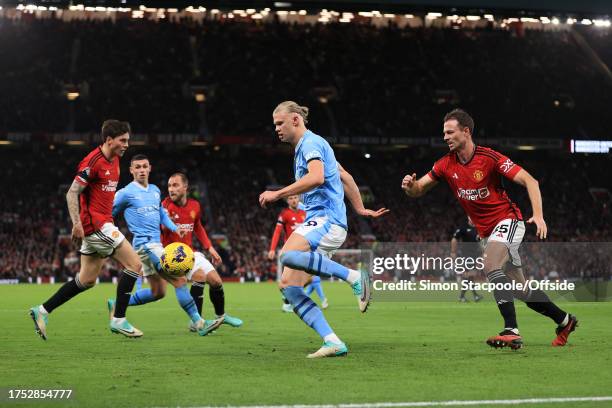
(177,259)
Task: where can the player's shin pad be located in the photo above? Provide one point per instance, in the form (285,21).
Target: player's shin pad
(504,298)
(314,264)
(307,310)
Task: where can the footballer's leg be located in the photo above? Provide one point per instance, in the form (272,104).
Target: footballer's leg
(217,298)
(538,300)
(495,256)
(292,282)
(329,236)
(203,327)
(197,293)
(85,279)
(132,269)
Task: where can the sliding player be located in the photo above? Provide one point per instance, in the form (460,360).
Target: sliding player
(474,175)
(322,182)
(187,213)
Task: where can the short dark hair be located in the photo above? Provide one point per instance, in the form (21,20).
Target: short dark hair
(137,157)
(462,117)
(182,175)
(113,128)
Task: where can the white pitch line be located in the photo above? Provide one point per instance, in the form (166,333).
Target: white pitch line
(455,403)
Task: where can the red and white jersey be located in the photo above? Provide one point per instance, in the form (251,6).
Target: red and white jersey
(187,216)
(290,220)
(477,185)
(100,177)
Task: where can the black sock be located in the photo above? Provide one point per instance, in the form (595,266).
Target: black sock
(197,293)
(504,298)
(475,294)
(462,295)
(541,303)
(285,301)
(217,297)
(124,291)
(65,293)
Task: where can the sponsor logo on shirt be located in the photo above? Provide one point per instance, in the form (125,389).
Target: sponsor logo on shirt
(473,194)
(111,186)
(188,227)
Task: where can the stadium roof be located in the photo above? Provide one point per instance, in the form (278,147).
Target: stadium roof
(590,7)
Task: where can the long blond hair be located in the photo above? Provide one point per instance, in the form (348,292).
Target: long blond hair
(293,107)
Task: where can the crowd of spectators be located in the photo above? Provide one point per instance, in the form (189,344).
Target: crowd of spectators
(35,227)
(384,81)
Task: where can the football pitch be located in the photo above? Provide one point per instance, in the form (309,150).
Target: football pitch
(398,352)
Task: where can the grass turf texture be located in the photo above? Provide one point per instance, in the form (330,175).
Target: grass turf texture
(411,351)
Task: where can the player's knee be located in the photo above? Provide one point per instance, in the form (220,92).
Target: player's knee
(158,292)
(214,281)
(134,266)
(85,282)
(290,258)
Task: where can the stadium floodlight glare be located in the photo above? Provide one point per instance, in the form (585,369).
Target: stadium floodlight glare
(586,21)
(388,15)
(570,21)
(367,155)
(601,23)
(489,17)
(251,11)
(555,20)
(200,97)
(432,15)
(71,96)
(302,12)
(256,16)
(526,147)
(472,18)
(409,15)
(282,4)
(365,14)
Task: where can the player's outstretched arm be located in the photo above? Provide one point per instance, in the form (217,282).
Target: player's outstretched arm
(416,188)
(72,198)
(314,178)
(351,190)
(526,180)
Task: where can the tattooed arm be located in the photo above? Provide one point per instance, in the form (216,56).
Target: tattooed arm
(72,198)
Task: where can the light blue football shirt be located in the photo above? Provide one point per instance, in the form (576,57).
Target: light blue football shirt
(327,200)
(143,212)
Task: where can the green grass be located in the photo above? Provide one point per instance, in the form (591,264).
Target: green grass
(411,351)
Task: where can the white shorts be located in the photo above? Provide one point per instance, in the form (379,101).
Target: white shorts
(103,242)
(201,263)
(149,254)
(323,236)
(510,233)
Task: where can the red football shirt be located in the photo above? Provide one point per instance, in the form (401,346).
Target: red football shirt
(288,220)
(187,216)
(477,185)
(100,177)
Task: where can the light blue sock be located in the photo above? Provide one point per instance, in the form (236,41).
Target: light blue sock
(319,288)
(307,310)
(309,288)
(186,301)
(314,264)
(142,296)
(139,283)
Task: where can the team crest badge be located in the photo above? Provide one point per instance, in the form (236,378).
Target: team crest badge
(478,175)
(192,214)
(115,234)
